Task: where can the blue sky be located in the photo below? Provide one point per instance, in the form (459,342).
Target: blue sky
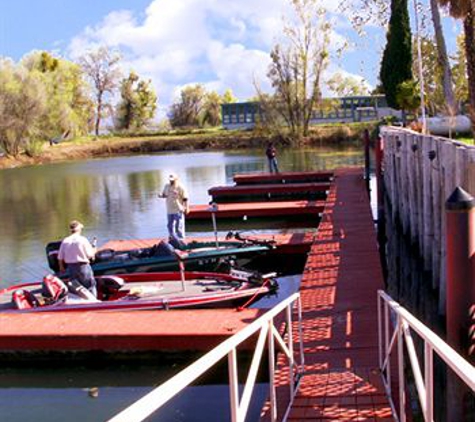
(220,43)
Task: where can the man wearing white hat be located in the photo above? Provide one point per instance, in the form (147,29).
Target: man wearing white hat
(74,256)
(177,206)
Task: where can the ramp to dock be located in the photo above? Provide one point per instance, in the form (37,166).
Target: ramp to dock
(342,275)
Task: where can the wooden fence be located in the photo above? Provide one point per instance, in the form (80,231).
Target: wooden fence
(420,173)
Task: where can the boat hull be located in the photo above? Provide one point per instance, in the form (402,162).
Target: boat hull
(160,291)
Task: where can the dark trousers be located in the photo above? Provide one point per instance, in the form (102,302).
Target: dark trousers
(83,274)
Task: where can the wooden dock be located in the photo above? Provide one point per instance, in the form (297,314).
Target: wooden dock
(342,380)
(257,209)
(138,331)
(268,191)
(285,177)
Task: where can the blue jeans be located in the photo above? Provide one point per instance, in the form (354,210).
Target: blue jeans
(273,165)
(84,275)
(176,225)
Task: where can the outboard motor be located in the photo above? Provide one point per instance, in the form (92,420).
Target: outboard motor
(52,250)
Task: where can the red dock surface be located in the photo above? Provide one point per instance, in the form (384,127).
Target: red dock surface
(171,331)
(268,189)
(286,177)
(342,380)
(257,209)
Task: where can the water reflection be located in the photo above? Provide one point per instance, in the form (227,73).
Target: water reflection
(117,197)
(84,393)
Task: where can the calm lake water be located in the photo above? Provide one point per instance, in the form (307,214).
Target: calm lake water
(116,198)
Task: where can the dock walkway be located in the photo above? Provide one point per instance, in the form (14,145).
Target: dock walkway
(342,380)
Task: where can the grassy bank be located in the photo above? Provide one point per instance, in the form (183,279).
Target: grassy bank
(106,146)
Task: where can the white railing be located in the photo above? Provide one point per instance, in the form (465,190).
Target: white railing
(151,402)
(394,326)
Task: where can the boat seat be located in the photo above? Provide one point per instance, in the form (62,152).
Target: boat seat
(54,287)
(24,299)
(108,285)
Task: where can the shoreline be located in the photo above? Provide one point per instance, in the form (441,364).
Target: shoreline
(225,140)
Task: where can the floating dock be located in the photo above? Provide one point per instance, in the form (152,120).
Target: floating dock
(267,191)
(286,177)
(342,381)
(138,331)
(257,209)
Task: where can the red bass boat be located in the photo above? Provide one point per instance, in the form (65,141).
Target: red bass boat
(140,291)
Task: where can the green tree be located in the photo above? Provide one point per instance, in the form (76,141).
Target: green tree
(459,71)
(297,64)
(186,111)
(22,107)
(211,114)
(137,105)
(446,79)
(69,110)
(396,65)
(344,86)
(433,74)
(228,97)
(102,68)
(465,10)
(407,97)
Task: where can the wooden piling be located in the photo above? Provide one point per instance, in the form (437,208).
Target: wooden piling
(420,173)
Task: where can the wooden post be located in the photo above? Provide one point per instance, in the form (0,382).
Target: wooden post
(470,182)
(436,169)
(367,163)
(427,208)
(378,154)
(460,214)
(412,181)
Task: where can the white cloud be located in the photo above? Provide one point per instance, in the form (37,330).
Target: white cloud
(219,43)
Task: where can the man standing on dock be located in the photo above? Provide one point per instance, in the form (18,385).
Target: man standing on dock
(271,158)
(177,206)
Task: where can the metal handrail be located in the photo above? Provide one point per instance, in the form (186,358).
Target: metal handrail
(152,401)
(401,322)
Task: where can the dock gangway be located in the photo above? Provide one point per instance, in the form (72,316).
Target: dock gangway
(268,334)
(395,326)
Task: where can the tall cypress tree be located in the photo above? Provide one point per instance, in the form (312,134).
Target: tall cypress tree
(396,66)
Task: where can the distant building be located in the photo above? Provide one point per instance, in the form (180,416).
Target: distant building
(240,115)
(348,109)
